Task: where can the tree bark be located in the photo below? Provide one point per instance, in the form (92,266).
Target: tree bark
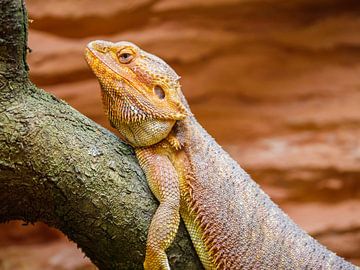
(61,168)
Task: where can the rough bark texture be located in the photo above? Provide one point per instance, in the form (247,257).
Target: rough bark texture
(59,167)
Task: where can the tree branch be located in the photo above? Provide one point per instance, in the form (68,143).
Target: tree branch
(59,167)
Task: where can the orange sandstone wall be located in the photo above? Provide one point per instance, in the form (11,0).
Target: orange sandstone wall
(275,82)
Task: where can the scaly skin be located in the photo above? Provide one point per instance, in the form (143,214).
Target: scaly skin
(233,224)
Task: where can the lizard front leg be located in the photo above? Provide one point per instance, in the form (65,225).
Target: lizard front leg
(163,182)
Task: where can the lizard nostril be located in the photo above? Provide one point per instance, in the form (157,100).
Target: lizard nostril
(100,48)
(159,92)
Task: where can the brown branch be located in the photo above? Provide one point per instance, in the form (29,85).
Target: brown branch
(59,167)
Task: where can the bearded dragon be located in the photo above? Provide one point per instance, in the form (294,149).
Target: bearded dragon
(233,224)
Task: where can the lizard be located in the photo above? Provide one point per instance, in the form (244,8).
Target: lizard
(232,223)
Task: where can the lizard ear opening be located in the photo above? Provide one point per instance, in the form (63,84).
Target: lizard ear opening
(159,92)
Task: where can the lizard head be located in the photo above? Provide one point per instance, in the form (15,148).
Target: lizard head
(140,92)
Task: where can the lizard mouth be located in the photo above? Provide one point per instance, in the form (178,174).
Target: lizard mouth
(90,56)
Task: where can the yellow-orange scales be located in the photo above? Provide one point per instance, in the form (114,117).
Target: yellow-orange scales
(233,224)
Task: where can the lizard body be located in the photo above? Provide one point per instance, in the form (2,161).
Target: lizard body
(233,224)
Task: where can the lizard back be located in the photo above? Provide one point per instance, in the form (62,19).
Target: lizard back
(237,224)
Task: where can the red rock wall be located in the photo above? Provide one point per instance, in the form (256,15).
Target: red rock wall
(275,82)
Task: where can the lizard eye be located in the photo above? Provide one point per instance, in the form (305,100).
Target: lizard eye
(125,56)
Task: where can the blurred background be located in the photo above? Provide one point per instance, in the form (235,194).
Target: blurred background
(276,82)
